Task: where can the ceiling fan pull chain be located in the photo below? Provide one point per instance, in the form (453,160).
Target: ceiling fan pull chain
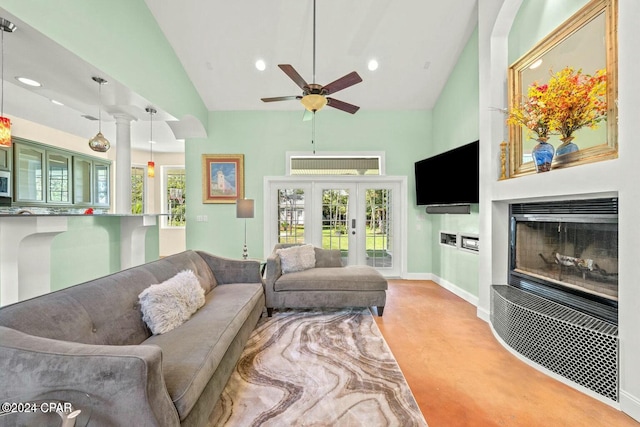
(313,131)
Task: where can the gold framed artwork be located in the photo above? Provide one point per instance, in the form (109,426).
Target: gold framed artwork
(586,41)
(222,178)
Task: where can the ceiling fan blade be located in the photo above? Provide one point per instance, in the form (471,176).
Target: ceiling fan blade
(341,105)
(281,98)
(308,115)
(343,83)
(293,75)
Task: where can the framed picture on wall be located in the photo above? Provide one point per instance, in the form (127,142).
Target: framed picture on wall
(222,178)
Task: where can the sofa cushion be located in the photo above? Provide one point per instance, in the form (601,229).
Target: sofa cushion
(328,257)
(297,258)
(167,305)
(350,278)
(192,352)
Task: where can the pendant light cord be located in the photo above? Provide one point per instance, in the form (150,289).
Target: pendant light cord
(100,107)
(2,72)
(314,41)
(151,132)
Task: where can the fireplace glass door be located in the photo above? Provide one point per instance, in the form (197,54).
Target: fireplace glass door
(575,255)
(567,252)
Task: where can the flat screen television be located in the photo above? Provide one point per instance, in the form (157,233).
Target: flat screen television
(449,178)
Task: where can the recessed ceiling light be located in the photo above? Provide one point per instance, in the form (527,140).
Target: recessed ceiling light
(373,65)
(260,65)
(53,101)
(152,142)
(535,64)
(28,82)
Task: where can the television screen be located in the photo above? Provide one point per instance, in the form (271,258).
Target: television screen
(449,178)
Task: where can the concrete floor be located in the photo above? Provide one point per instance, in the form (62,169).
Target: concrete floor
(461,376)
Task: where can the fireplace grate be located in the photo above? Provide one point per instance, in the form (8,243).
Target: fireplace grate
(572,344)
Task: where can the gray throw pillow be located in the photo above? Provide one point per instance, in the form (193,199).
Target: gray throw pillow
(297,258)
(167,305)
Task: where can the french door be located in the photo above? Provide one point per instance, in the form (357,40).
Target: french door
(359,217)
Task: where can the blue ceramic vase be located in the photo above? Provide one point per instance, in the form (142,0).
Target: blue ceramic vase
(542,155)
(566,147)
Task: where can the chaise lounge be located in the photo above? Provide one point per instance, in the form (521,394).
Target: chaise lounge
(315,278)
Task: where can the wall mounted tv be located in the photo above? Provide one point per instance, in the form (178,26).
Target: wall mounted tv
(449,178)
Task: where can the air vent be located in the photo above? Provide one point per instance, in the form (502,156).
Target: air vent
(607,206)
(88,117)
(335,165)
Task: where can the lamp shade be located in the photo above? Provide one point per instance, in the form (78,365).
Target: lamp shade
(5,132)
(244,208)
(151,169)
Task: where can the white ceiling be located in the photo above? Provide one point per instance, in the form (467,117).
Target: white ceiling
(416,42)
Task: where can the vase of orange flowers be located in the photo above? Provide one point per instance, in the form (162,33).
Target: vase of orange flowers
(570,101)
(579,100)
(535,116)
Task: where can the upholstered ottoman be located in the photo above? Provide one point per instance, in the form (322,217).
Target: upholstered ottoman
(326,283)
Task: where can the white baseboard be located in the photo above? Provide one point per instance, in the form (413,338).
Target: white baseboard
(418,276)
(630,405)
(465,295)
(484,314)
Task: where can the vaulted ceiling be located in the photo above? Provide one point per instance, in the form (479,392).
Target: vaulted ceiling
(416,43)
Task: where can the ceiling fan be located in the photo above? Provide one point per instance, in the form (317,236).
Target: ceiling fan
(314,96)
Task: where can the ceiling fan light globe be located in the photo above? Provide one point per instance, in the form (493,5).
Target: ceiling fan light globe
(313,102)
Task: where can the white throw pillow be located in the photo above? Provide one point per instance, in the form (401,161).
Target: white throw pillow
(297,258)
(171,303)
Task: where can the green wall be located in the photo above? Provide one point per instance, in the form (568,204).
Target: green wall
(90,248)
(265,137)
(120,38)
(455,123)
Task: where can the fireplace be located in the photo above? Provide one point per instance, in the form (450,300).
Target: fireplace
(567,252)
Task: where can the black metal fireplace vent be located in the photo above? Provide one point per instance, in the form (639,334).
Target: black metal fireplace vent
(572,344)
(607,206)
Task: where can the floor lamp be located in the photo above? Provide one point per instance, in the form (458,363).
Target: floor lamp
(244,209)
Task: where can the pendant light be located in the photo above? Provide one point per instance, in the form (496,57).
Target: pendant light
(151,166)
(99,143)
(5,123)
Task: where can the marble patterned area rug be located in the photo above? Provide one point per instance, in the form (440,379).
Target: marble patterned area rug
(317,368)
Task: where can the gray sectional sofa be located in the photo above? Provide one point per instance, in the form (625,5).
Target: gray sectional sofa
(327,285)
(91,338)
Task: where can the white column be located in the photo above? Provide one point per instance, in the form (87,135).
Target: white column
(123,163)
(133,231)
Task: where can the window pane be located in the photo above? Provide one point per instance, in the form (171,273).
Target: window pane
(30,164)
(137,189)
(335,213)
(378,227)
(58,177)
(82,181)
(102,184)
(291,215)
(176,197)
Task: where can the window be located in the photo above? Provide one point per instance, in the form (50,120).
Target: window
(137,189)
(291,215)
(174,198)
